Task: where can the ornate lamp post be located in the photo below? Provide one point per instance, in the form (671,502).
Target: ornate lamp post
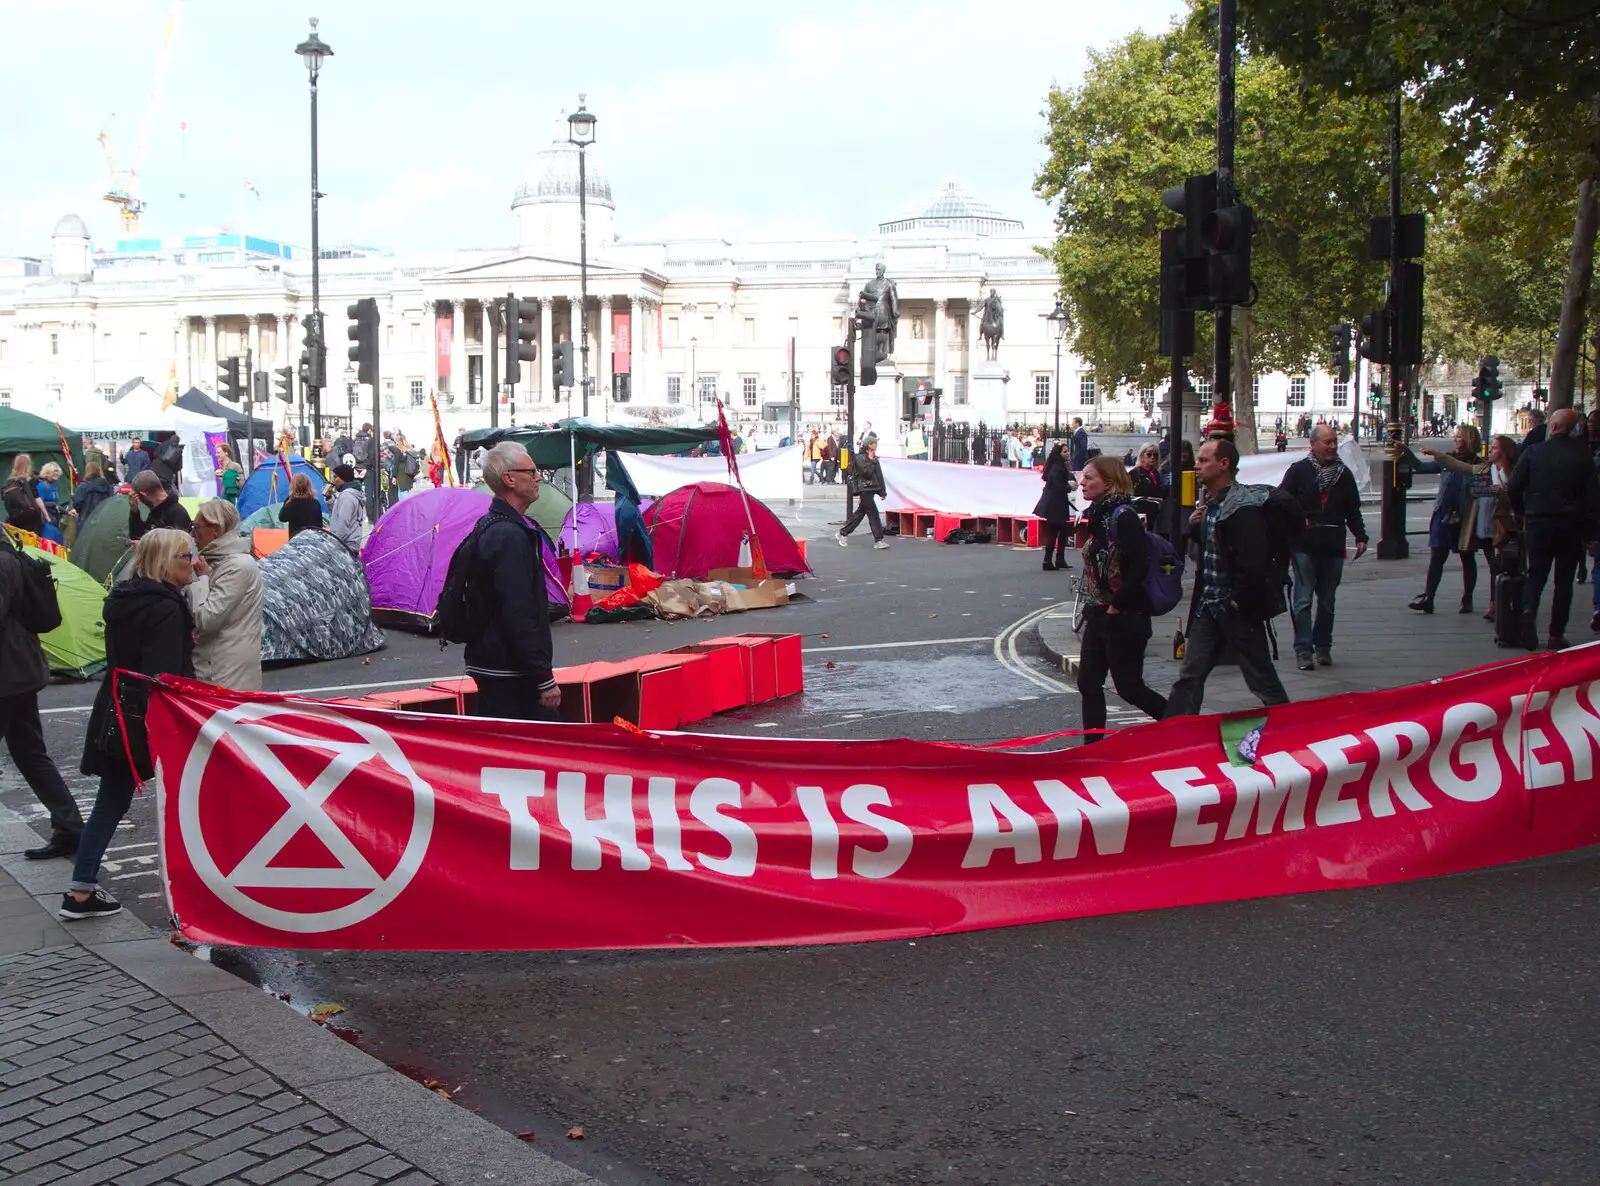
(580,125)
(313,49)
(1058,325)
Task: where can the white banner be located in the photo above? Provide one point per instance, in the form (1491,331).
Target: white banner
(769,474)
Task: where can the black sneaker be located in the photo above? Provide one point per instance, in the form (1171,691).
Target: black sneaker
(97,905)
(1324,657)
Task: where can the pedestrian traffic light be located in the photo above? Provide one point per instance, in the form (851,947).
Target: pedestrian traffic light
(1176,334)
(522,335)
(229,386)
(869,364)
(1375,336)
(363,331)
(1339,351)
(844,365)
(260,387)
(561,365)
(285,384)
(1226,234)
(1487,385)
(305,367)
(1408,315)
(1196,200)
(316,354)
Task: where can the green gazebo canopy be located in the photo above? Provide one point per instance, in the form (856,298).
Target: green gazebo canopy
(23,432)
(553,448)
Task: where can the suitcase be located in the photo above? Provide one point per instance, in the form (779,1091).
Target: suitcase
(1508,612)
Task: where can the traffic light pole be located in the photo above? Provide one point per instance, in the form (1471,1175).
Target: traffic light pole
(249,410)
(1392,543)
(1227,25)
(848,451)
(316,278)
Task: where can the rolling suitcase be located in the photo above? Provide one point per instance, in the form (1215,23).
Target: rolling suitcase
(1508,611)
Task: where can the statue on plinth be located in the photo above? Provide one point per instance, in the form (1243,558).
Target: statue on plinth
(879,307)
(993,326)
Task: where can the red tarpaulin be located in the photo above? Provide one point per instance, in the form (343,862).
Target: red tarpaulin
(290,823)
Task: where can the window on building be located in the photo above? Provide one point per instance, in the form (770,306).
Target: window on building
(388,336)
(1297,392)
(837,396)
(958,389)
(708,389)
(105,343)
(794,328)
(1341,395)
(1147,392)
(418,396)
(672,331)
(708,330)
(213,257)
(416,335)
(749,390)
(388,395)
(749,331)
(144,340)
(55,393)
(1041,390)
(106,392)
(674,387)
(1086,389)
(1202,389)
(2,349)
(1255,390)
(5,397)
(55,343)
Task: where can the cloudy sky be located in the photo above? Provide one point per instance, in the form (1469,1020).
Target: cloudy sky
(737,119)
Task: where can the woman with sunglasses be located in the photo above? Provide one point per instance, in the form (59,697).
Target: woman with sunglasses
(150,631)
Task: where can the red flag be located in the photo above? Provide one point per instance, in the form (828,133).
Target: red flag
(725,438)
(72,470)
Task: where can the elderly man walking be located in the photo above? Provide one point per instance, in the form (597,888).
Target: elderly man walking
(511,659)
(1327,493)
(1553,492)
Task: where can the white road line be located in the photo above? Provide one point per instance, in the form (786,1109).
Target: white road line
(1006,654)
(889,646)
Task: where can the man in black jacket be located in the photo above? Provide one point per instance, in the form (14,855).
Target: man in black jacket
(23,672)
(165,510)
(511,660)
(1327,493)
(1235,591)
(1553,492)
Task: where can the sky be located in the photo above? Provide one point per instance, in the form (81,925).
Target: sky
(732,120)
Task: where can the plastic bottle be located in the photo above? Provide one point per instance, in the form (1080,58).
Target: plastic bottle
(1177,643)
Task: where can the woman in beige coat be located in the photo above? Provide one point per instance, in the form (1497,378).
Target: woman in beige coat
(226,601)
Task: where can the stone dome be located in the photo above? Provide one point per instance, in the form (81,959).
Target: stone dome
(546,202)
(553,177)
(70,226)
(953,209)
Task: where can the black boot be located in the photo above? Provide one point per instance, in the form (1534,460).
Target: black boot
(1061,560)
(1422,602)
(1048,567)
(1466,606)
(1529,635)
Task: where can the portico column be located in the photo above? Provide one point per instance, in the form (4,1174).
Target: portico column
(286,340)
(635,328)
(941,375)
(431,317)
(540,380)
(185,352)
(602,370)
(211,350)
(487,335)
(458,352)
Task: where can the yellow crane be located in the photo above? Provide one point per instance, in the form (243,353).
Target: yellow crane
(122,185)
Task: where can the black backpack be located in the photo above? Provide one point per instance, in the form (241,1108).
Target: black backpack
(37,608)
(464,603)
(18,497)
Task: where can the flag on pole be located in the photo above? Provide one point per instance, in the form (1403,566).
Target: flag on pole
(438,441)
(250,188)
(170,396)
(72,470)
(725,438)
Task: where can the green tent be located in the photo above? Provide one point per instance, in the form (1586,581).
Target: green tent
(77,647)
(267,516)
(555,448)
(102,539)
(549,509)
(21,432)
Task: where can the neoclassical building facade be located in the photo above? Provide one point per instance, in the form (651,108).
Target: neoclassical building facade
(672,324)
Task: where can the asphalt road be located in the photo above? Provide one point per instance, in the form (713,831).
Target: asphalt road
(1440,1030)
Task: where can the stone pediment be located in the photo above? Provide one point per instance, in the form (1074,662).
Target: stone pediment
(527,267)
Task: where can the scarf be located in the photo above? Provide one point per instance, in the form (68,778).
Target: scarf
(1327,475)
(1102,565)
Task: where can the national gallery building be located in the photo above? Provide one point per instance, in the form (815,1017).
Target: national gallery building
(672,325)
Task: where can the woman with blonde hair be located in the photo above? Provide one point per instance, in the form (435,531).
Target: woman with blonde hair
(149,631)
(1116,626)
(301,511)
(225,600)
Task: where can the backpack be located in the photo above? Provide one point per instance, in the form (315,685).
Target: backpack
(464,608)
(37,610)
(1286,523)
(361,449)
(410,464)
(18,498)
(1163,574)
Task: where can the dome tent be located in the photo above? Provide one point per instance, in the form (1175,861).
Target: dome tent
(593,525)
(102,539)
(266,516)
(269,483)
(549,510)
(77,647)
(699,527)
(408,554)
(316,604)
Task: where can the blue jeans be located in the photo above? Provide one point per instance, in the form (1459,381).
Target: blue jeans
(111,803)
(1314,576)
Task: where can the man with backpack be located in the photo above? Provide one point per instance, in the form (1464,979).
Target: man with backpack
(28,608)
(1239,580)
(494,597)
(1328,496)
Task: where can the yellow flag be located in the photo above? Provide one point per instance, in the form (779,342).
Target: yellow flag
(171,396)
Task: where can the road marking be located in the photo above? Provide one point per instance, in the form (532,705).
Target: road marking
(1006,654)
(889,646)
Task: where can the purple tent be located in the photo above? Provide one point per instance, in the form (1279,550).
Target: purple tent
(408,553)
(596,528)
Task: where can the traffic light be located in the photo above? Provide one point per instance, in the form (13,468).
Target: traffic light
(1375,336)
(285,384)
(1226,234)
(305,368)
(363,331)
(229,386)
(1176,335)
(1196,200)
(844,365)
(1487,385)
(1339,351)
(522,336)
(260,388)
(315,355)
(1408,315)
(560,365)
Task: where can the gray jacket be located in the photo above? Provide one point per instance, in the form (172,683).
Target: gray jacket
(346,517)
(23,668)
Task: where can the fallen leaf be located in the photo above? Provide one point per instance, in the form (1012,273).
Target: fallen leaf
(933,615)
(433,1084)
(575,1133)
(441,1093)
(366,662)
(824,636)
(829,665)
(322,1012)
(525,1136)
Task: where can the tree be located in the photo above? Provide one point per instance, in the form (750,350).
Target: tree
(1501,74)
(1314,173)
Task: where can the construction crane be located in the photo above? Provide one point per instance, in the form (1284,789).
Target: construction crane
(122,185)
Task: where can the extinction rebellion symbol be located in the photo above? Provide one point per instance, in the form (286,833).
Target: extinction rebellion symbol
(246,727)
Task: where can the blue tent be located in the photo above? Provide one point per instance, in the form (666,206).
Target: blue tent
(268,484)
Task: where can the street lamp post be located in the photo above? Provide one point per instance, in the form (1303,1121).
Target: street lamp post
(313,49)
(1058,324)
(350,384)
(580,126)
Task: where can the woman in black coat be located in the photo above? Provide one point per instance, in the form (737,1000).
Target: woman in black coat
(148,631)
(1055,508)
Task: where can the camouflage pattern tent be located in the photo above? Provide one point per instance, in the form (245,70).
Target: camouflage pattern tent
(316,604)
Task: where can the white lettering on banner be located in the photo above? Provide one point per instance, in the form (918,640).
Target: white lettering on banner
(1279,789)
(1537,774)
(1511,732)
(824,833)
(857,804)
(1105,813)
(1479,755)
(666,835)
(616,826)
(1021,836)
(1579,729)
(1191,795)
(1340,773)
(514,787)
(1392,773)
(705,802)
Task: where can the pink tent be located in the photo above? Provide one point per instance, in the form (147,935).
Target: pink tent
(700,527)
(596,530)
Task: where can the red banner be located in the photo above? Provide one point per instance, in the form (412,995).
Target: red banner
(443,337)
(291,823)
(621,343)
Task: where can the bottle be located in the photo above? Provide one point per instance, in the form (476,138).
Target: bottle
(1177,643)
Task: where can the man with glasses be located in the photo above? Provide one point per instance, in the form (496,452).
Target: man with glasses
(511,659)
